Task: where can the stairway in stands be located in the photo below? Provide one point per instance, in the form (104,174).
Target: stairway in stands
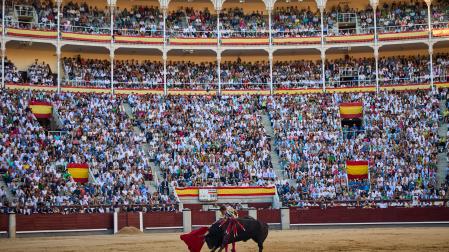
(442,156)
(156,171)
(275,161)
(274,155)
(8,192)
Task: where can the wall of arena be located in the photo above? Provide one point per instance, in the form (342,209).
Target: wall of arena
(159,221)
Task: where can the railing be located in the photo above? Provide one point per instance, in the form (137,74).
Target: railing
(240,85)
(259,33)
(443,202)
(31,25)
(91,83)
(182,33)
(347,18)
(294,33)
(351,31)
(441,78)
(440,25)
(139,85)
(405,28)
(225,33)
(86,29)
(24,10)
(386,81)
(305,84)
(299,84)
(137,32)
(356,82)
(70,209)
(192,85)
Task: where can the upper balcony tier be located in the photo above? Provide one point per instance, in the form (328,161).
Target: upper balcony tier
(235,24)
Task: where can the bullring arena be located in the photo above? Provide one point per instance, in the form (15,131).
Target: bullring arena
(376,239)
(125,124)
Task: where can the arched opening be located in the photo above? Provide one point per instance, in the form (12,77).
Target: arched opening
(409,67)
(136,68)
(297,68)
(138,18)
(244,19)
(30,63)
(441,62)
(85,66)
(350,67)
(192,70)
(191,19)
(296,19)
(248,69)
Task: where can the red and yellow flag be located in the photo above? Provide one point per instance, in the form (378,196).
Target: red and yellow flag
(357,169)
(351,110)
(41,109)
(79,172)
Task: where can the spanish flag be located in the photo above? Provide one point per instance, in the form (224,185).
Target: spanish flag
(357,169)
(351,110)
(79,172)
(41,109)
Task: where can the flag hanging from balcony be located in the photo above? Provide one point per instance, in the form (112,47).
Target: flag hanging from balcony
(79,172)
(357,169)
(350,110)
(41,109)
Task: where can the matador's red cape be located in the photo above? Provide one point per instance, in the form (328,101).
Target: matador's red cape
(195,239)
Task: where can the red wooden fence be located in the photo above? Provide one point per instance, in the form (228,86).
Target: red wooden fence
(162,219)
(63,222)
(3,222)
(358,215)
(128,220)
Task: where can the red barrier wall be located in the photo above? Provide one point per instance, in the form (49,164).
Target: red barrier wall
(128,220)
(358,215)
(194,207)
(3,222)
(162,219)
(203,217)
(269,215)
(63,222)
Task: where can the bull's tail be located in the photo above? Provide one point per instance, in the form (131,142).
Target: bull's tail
(264,233)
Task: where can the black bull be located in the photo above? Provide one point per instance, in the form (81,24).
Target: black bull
(254,229)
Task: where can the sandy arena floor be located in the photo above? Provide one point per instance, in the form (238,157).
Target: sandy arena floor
(376,239)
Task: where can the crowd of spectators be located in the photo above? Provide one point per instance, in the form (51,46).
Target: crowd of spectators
(218,141)
(313,149)
(40,73)
(82,17)
(139,21)
(345,20)
(296,22)
(247,75)
(297,74)
(190,23)
(234,22)
(135,74)
(404,69)
(191,75)
(12,74)
(403,16)
(346,71)
(349,71)
(202,140)
(96,132)
(87,72)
